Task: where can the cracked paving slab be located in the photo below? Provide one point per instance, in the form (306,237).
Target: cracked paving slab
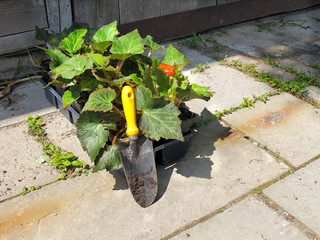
(285,124)
(218,159)
(299,194)
(248,219)
(19,167)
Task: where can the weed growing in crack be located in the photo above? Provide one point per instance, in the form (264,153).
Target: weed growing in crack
(259,190)
(193,42)
(295,86)
(200,68)
(35,125)
(315,66)
(247,103)
(66,162)
(26,190)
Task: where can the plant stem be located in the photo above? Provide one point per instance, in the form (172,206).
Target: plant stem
(115,138)
(103,79)
(120,65)
(118,111)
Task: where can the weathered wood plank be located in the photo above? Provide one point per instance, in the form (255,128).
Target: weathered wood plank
(220,2)
(184,24)
(177,6)
(206,3)
(20,16)
(107,12)
(53,15)
(135,10)
(17,42)
(95,12)
(65,14)
(84,11)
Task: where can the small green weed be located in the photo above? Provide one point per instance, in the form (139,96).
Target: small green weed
(193,42)
(313,103)
(200,68)
(35,125)
(52,155)
(295,86)
(315,66)
(247,103)
(264,27)
(26,190)
(66,162)
(221,33)
(259,190)
(218,47)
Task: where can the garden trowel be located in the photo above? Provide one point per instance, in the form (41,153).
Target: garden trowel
(138,159)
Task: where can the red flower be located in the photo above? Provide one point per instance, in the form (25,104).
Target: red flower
(168,69)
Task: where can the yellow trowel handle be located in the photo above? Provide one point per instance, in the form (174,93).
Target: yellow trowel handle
(129,108)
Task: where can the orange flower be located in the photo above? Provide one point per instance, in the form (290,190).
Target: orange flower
(168,69)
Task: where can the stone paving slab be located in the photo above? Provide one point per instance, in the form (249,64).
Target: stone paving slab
(230,87)
(288,35)
(299,194)
(18,158)
(101,205)
(18,166)
(249,219)
(26,98)
(285,124)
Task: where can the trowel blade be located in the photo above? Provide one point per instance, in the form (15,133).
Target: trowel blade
(140,170)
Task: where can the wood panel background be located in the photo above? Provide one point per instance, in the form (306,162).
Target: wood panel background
(20,16)
(100,12)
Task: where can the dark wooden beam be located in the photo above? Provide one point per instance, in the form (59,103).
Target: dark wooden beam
(187,23)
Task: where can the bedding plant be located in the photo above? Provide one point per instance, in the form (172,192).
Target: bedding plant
(93,66)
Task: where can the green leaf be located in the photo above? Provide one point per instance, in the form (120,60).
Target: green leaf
(174,57)
(162,123)
(72,67)
(194,91)
(161,79)
(92,133)
(100,100)
(43,158)
(106,33)
(57,56)
(148,41)
(101,46)
(89,84)
(109,160)
(159,118)
(70,97)
(203,91)
(127,45)
(74,41)
(99,60)
(147,80)
(143,98)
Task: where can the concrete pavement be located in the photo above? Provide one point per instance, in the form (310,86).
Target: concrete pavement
(252,175)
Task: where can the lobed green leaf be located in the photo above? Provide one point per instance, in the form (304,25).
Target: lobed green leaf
(100,100)
(174,57)
(109,160)
(92,133)
(127,45)
(72,67)
(74,41)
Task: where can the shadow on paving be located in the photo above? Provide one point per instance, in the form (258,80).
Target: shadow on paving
(196,163)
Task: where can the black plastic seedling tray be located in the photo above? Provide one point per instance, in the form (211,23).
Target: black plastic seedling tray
(166,151)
